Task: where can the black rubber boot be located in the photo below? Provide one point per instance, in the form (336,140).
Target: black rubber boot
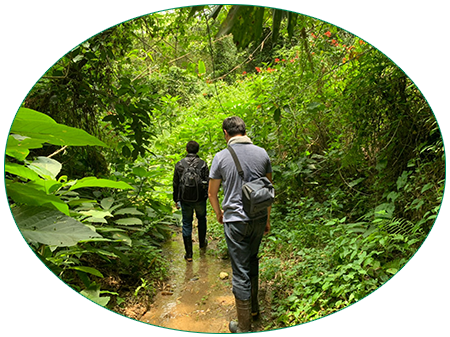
(254,297)
(243,323)
(188,248)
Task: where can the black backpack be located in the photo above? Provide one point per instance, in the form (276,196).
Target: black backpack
(191,186)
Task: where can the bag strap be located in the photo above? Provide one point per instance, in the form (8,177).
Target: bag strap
(236,161)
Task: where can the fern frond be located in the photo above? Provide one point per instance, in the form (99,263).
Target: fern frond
(400,226)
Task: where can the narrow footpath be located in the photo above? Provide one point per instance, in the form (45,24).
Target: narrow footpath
(198,297)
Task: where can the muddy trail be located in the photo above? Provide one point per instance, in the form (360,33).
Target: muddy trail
(195,297)
(198,295)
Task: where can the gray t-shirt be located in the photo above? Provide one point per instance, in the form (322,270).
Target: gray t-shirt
(255,163)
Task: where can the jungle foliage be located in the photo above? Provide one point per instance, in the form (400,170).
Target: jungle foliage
(357,154)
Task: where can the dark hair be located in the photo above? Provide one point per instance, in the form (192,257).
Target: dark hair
(234,126)
(192,147)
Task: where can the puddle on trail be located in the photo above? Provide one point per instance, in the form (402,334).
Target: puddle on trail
(195,298)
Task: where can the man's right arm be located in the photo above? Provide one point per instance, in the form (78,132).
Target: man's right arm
(213,192)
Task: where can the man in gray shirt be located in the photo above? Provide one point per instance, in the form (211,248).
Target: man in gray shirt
(243,235)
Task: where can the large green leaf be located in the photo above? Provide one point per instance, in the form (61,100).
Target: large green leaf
(315,107)
(11,308)
(39,126)
(110,229)
(50,227)
(29,195)
(15,149)
(88,270)
(277,115)
(129,221)
(123,238)
(47,186)
(44,129)
(96,182)
(96,213)
(24,114)
(129,210)
(401,181)
(21,171)
(355,182)
(140,172)
(96,220)
(24,141)
(106,203)
(385,210)
(47,168)
(80,201)
(201,67)
(23,268)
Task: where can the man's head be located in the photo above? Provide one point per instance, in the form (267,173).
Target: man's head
(233,126)
(192,147)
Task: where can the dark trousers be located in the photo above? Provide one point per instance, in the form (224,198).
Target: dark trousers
(243,241)
(187,211)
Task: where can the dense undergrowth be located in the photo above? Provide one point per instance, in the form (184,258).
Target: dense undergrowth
(357,155)
(329,263)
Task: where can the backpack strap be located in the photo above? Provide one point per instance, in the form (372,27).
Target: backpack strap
(184,163)
(236,161)
(196,163)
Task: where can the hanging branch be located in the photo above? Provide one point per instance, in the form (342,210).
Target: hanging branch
(305,45)
(212,59)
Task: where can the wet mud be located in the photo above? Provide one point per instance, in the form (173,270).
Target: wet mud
(197,297)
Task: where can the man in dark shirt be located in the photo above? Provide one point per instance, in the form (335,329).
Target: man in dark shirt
(197,204)
(243,234)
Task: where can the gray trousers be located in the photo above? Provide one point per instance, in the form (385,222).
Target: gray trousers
(243,241)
